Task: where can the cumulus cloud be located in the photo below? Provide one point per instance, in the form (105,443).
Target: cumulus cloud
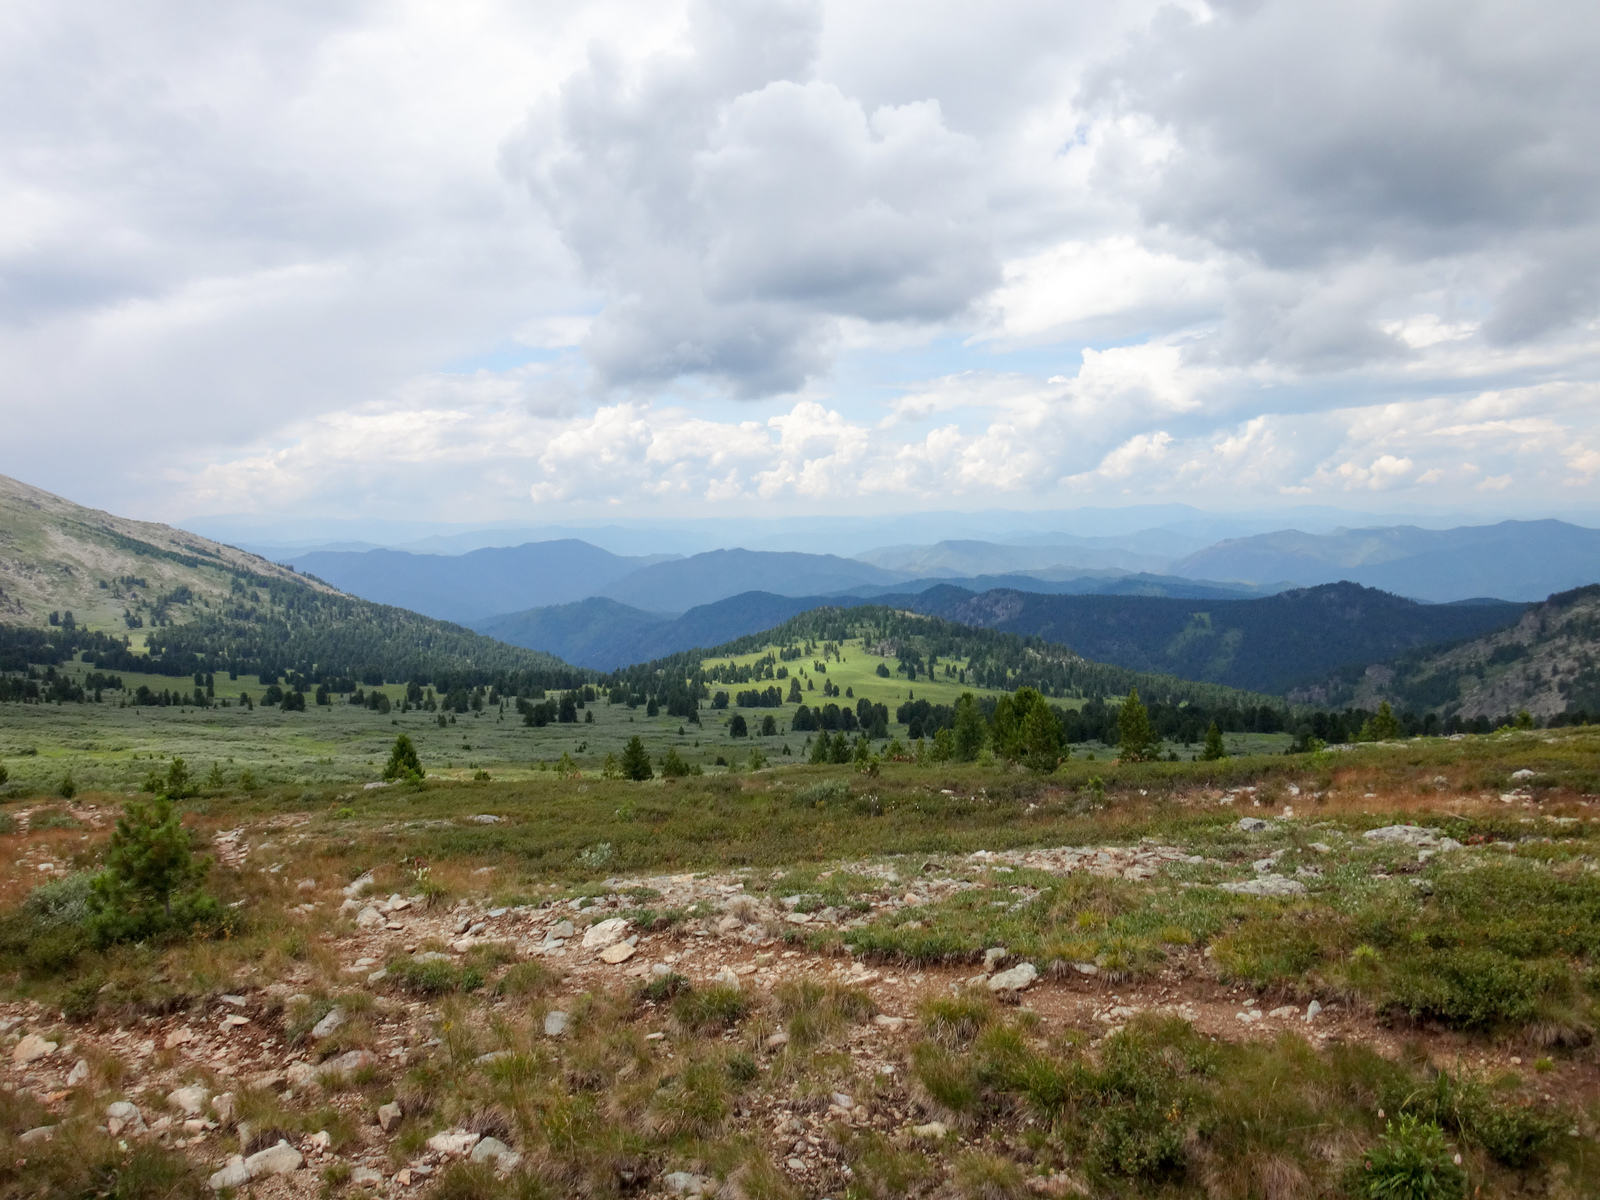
(733,208)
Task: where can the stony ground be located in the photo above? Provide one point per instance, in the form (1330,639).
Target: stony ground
(308,1034)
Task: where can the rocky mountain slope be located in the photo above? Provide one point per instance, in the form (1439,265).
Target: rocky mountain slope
(1548,663)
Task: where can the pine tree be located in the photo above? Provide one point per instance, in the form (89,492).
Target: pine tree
(819,750)
(969,729)
(1040,738)
(403,761)
(1214,749)
(1133,723)
(635,761)
(150,885)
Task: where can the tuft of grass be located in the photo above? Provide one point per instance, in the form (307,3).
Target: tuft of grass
(434,977)
(1412,1162)
(711,1010)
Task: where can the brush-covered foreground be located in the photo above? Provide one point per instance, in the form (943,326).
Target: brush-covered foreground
(1163,979)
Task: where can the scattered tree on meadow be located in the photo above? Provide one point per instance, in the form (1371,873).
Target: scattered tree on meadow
(635,760)
(403,761)
(151,883)
(969,728)
(1214,749)
(1138,742)
(1381,726)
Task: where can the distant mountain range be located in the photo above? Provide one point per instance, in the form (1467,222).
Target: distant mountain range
(1514,560)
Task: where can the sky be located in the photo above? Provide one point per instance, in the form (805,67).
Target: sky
(496,261)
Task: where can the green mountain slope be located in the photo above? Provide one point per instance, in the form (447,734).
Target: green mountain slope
(1548,663)
(1267,645)
(147,597)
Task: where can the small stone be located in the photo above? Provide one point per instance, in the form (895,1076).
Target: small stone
(403,1177)
(191,1100)
(349,1063)
(369,917)
(320,1141)
(883,1021)
(492,1149)
(300,1074)
(683,1183)
(798,918)
(366,1177)
(555,1023)
(389,1117)
(933,1130)
(605,933)
(561,929)
(1312,1010)
(331,1021)
(1284,1012)
(1266,885)
(1252,824)
(275,1160)
(124,1115)
(843,1100)
(1014,980)
(453,1141)
(79,1073)
(379,975)
(992,958)
(225,1108)
(178,1037)
(31,1049)
(796,1164)
(729,924)
(234,1175)
(37,1135)
(1085,968)
(778,1040)
(617,952)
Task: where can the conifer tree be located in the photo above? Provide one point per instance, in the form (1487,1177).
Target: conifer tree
(1214,749)
(1133,723)
(403,761)
(635,760)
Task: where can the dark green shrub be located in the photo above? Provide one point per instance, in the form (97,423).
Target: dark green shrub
(434,977)
(662,988)
(1412,1162)
(403,761)
(715,1008)
(1476,989)
(150,888)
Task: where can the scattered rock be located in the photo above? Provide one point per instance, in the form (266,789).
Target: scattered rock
(31,1049)
(330,1022)
(1014,980)
(605,933)
(487,819)
(349,1062)
(683,1183)
(843,1100)
(79,1073)
(1312,1010)
(1266,885)
(178,1037)
(493,1150)
(275,1160)
(452,1141)
(617,952)
(191,1100)
(225,1107)
(933,1130)
(1524,773)
(320,1141)
(369,918)
(1412,835)
(124,1115)
(561,929)
(1085,968)
(1252,824)
(778,1040)
(883,1021)
(366,1177)
(555,1023)
(234,1175)
(37,1135)
(300,1074)
(389,1117)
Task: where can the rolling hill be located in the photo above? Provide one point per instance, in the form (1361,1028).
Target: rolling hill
(1267,645)
(1514,560)
(147,597)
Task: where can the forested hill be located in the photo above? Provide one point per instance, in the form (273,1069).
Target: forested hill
(995,659)
(136,596)
(1269,644)
(1548,663)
